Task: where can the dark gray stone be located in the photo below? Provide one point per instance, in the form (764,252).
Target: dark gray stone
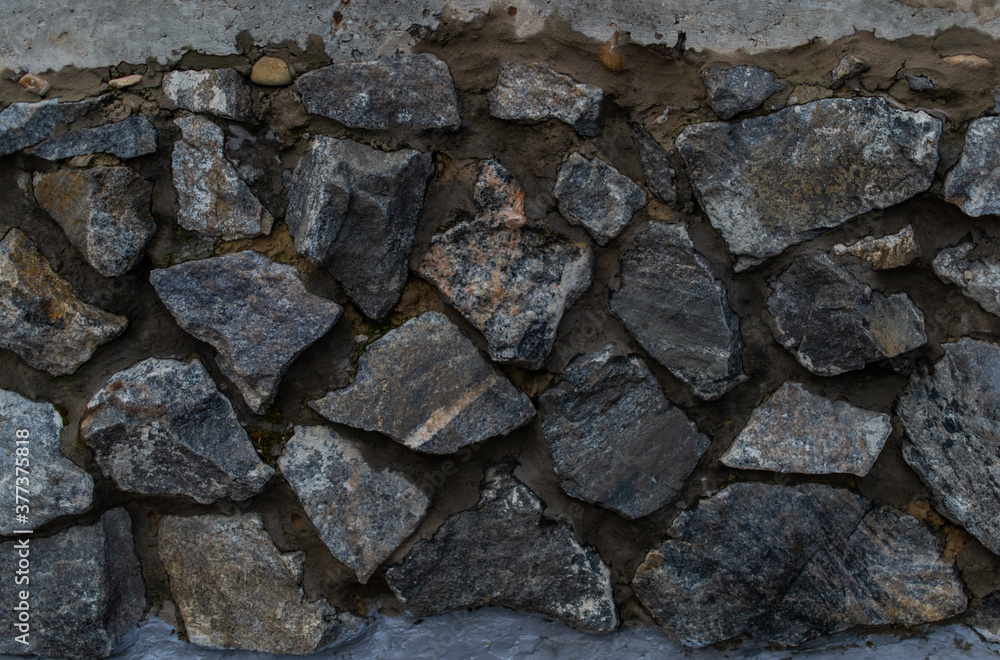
(974,183)
(592,193)
(661,179)
(25,124)
(974,267)
(919,83)
(885,253)
(221,92)
(130,138)
(738,89)
(848,67)
(533,92)
(986,618)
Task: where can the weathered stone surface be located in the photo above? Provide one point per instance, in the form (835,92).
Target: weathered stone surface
(212,198)
(974,183)
(797,431)
(271,71)
(848,67)
(986,618)
(738,89)
(534,92)
(673,304)
(221,92)
(890,251)
(362,513)
(354,209)
(513,283)
(973,266)
(235,589)
(833,323)
(125,81)
(56,486)
(788,563)
(594,194)
(130,138)
(505,552)
(770,182)
(414,91)
(952,423)
(161,427)
(255,312)
(919,83)
(86,591)
(40,317)
(428,387)
(614,438)
(104,212)
(25,124)
(661,179)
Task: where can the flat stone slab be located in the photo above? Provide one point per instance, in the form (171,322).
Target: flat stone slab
(661,178)
(974,183)
(533,92)
(220,92)
(885,253)
(129,138)
(427,386)
(974,267)
(595,195)
(26,124)
(738,89)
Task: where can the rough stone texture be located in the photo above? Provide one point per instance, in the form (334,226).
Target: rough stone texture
(673,304)
(534,92)
(427,386)
(770,182)
(55,486)
(594,194)
(412,91)
(986,618)
(66,332)
(255,312)
(354,209)
(220,92)
(513,283)
(788,563)
(919,83)
(974,183)
(848,67)
(890,251)
(235,589)
(25,124)
(614,438)
(161,427)
(85,594)
(271,71)
(738,89)
(130,138)
(797,431)
(362,513)
(213,199)
(833,323)
(532,564)
(104,212)
(952,423)
(661,179)
(973,267)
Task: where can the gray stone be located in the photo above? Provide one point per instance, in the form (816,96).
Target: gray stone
(104,212)
(427,386)
(833,323)
(85,594)
(952,423)
(212,198)
(25,124)
(797,431)
(672,303)
(788,563)
(355,210)
(974,183)
(513,283)
(130,138)
(770,182)
(161,427)
(848,67)
(255,312)
(534,92)
(986,618)
(615,439)
(220,92)
(974,267)
(594,194)
(362,513)
(504,551)
(885,253)
(738,89)
(235,589)
(919,83)
(41,319)
(414,91)
(661,179)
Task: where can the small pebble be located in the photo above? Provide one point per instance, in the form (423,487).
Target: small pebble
(611,57)
(848,67)
(81,161)
(968,60)
(34,84)
(124,81)
(271,71)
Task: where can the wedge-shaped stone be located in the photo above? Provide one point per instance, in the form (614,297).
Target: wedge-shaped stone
(533,92)
(974,267)
(890,251)
(974,183)
(25,124)
(594,194)
(129,138)
(661,178)
(221,92)
(739,89)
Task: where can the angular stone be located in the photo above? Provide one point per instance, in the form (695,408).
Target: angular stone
(615,439)
(739,89)
(890,251)
(255,312)
(362,513)
(271,71)
(833,323)
(919,83)
(513,283)
(130,138)
(986,618)
(770,182)
(797,431)
(661,179)
(788,563)
(504,551)
(235,589)
(974,183)
(427,386)
(974,267)
(220,92)
(86,591)
(414,91)
(531,93)
(161,427)
(213,199)
(952,423)
(25,124)
(104,212)
(40,317)
(848,67)
(35,84)
(672,303)
(354,209)
(56,486)
(594,194)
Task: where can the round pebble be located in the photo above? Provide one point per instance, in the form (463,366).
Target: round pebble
(271,71)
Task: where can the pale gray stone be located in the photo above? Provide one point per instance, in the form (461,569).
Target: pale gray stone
(974,183)
(25,124)
(594,194)
(221,92)
(919,83)
(974,267)
(848,67)
(129,138)
(534,92)
(738,89)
